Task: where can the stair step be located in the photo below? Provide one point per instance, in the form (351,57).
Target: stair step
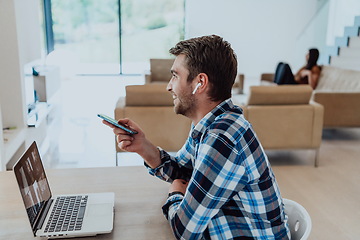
(341,41)
(347,66)
(349,52)
(357,21)
(346,62)
(354,42)
(331,51)
(351,31)
(345,59)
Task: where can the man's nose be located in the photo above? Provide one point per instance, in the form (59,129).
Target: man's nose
(169,86)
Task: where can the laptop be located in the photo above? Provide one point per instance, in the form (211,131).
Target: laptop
(61,216)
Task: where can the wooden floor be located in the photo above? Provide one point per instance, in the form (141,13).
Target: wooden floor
(330,192)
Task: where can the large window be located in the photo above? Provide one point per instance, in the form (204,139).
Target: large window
(113,36)
(149,29)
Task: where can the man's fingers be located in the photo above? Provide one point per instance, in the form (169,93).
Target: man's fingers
(118,131)
(108,124)
(124,137)
(124,144)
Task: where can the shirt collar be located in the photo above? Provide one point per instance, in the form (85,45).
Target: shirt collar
(210,117)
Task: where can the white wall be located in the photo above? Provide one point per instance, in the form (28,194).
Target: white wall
(28,29)
(20,44)
(262,32)
(10,62)
(313,36)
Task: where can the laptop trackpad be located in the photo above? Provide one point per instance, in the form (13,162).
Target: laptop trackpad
(99,216)
(100,209)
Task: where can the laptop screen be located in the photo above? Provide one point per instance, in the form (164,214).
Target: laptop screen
(34,187)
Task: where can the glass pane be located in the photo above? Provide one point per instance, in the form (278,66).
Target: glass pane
(86,32)
(148,29)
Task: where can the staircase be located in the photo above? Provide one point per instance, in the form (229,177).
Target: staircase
(346,52)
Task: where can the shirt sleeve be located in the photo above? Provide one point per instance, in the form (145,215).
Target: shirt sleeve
(172,168)
(218,175)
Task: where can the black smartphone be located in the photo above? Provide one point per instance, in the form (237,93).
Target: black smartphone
(116,124)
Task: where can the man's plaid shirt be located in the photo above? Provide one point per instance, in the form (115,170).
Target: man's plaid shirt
(232,191)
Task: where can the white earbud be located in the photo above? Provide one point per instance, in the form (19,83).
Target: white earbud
(196,88)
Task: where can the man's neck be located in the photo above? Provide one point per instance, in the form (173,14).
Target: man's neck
(203,108)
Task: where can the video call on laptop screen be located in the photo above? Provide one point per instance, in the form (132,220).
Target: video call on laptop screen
(32,182)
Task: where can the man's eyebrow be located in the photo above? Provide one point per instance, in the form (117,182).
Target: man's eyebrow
(173,71)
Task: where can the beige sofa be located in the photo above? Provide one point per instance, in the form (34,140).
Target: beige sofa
(151,106)
(338,91)
(284,117)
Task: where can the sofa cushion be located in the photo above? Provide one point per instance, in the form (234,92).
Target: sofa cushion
(338,80)
(148,95)
(279,95)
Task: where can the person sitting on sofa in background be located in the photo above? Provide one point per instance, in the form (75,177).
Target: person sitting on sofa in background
(222,184)
(308,74)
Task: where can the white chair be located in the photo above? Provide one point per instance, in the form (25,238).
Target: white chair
(298,219)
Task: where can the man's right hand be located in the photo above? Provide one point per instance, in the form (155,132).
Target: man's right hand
(136,143)
(129,142)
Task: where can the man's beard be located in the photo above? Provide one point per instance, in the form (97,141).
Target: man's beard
(185,104)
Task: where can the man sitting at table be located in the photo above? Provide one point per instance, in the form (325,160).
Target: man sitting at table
(222,184)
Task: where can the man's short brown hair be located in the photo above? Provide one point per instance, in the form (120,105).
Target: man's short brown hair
(213,56)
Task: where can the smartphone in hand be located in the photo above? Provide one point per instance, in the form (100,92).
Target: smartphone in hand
(116,124)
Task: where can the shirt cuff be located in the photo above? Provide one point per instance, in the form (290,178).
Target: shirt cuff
(176,192)
(164,157)
(173,200)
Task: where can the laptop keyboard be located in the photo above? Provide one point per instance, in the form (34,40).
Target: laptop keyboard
(67,214)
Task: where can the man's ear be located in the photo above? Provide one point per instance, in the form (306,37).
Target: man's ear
(203,81)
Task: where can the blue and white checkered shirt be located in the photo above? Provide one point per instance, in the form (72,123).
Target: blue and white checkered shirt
(232,191)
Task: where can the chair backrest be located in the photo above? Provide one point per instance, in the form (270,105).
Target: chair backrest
(267,77)
(152,107)
(148,95)
(280,95)
(298,219)
(160,69)
(283,117)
